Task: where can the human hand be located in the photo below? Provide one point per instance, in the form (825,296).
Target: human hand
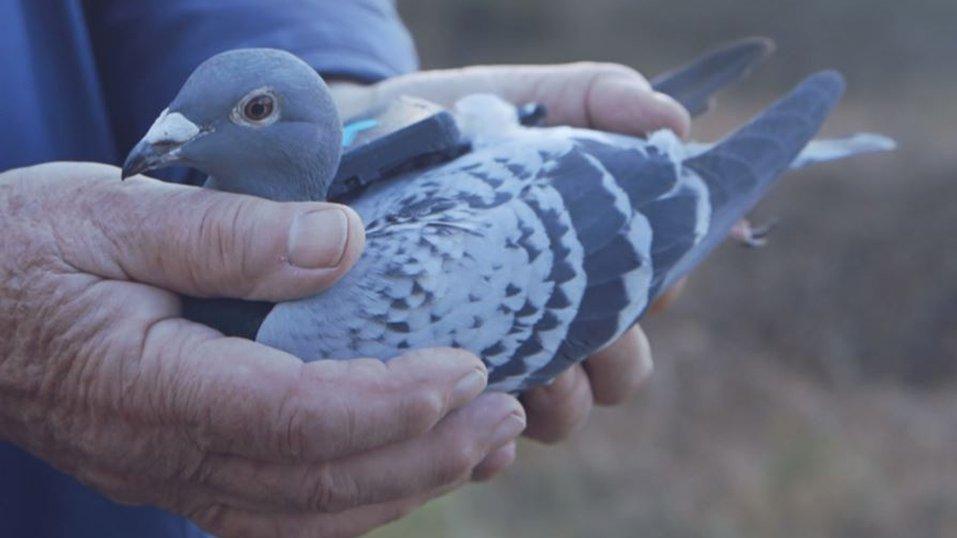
(608,97)
(102,378)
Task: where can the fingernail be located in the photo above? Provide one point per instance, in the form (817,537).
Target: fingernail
(508,429)
(673,114)
(471,385)
(318,239)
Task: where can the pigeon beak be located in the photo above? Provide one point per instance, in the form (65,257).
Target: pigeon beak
(143,158)
(161,145)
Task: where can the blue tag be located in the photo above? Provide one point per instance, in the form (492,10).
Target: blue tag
(351,131)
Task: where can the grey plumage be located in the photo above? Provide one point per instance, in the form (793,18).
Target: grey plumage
(543,244)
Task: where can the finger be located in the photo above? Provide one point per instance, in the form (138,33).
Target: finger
(445,456)
(622,105)
(667,298)
(237,397)
(597,95)
(616,372)
(201,242)
(495,463)
(557,410)
(228,521)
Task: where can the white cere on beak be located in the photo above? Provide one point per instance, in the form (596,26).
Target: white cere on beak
(171,128)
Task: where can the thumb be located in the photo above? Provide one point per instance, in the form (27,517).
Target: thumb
(205,243)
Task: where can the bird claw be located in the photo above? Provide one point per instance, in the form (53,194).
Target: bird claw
(752,236)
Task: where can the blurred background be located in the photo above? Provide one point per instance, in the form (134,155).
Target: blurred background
(807,389)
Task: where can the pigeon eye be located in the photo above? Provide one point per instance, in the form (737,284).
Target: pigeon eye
(259,108)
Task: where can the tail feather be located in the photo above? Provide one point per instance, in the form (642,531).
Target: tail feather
(833,149)
(740,169)
(695,84)
(823,150)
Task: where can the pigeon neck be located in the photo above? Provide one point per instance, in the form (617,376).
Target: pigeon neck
(301,181)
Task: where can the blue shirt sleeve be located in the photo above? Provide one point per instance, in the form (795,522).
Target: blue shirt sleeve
(146,49)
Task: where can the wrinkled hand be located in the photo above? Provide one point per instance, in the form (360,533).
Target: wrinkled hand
(608,97)
(101,377)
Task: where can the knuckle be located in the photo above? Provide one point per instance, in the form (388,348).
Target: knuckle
(326,489)
(372,370)
(196,468)
(348,431)
(318,489)
(294,441)
(464,356)
(18,176)
(462,456)
(311,427)
(116,486)
(214,232)
(213,517)
(57,171)
(219,240)
(421,365)
(424,409)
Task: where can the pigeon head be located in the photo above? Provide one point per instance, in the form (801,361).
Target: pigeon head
(257,121)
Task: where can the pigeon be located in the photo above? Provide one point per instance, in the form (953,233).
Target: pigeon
(534,250)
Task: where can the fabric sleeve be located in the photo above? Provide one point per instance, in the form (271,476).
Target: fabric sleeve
(146,49)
